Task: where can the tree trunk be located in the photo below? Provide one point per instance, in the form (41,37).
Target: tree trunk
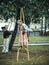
(15,30)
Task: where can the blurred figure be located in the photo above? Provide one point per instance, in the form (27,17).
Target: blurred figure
(23,38)
(6,34)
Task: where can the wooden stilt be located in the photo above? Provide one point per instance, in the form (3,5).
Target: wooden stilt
(27,53)
(18,53)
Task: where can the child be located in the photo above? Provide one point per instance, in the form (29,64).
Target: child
(6,34)
(22,29)
(23,39)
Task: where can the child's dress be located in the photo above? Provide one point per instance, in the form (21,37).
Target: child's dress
(23,39)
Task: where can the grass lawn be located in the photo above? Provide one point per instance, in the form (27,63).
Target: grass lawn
(39,39)
(1,39)
(39,55)
(36,39)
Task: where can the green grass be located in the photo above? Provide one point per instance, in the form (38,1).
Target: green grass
(39,39)
(36,39)
(1,39)
(39,48)
(39,55)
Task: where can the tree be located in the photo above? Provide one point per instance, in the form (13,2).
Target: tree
(15,31)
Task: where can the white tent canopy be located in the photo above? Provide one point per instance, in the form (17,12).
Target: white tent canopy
(9,25)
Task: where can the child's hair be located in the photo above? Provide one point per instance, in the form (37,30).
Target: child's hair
(3,27)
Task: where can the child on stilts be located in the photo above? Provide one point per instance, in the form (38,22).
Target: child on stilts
(23,39)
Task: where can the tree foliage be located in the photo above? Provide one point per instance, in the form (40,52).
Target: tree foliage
(33,9)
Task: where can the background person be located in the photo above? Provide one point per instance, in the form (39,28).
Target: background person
(6,35)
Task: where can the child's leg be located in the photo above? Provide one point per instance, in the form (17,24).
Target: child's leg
(26,48)
(26,44)
(7,45)
(20,44)
(25,40)
(4,43)
(18,52)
